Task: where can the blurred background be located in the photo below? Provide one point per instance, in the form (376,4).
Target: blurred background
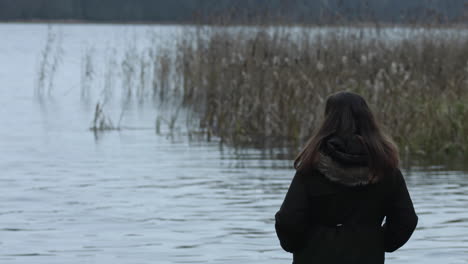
(164,131)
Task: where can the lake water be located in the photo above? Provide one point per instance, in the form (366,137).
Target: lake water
(134,196)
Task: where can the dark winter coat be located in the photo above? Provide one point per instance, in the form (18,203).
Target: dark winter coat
(332,214)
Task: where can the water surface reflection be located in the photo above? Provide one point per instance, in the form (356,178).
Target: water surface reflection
(136,197)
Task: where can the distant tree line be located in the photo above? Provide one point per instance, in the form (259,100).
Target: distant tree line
(237,11)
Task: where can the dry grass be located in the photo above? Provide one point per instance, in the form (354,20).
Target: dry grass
(101,121)
(50,60)
(267,87)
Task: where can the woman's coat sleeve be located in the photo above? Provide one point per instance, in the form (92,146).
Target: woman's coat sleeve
(290,220)
(401,218)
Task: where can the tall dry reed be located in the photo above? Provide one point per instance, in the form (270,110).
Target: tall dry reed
(267,86)
(50,59)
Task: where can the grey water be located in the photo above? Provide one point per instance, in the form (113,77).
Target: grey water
(135,196)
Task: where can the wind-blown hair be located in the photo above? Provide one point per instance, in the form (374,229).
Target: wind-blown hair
(347,114)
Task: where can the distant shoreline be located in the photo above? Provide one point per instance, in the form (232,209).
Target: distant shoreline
(168,23)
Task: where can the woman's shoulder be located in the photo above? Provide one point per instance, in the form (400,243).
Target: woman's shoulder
(316,183)
(392,182)
(310,175)
(394,176)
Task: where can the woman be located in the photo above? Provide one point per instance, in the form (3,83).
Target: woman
(347,181)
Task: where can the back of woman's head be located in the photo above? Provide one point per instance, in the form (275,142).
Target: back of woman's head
(348,115)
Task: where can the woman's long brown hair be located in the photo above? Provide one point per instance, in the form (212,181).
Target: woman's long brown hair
(347,113)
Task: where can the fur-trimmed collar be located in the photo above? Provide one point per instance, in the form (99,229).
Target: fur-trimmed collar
(348,176)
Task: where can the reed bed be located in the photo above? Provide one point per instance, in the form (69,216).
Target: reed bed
(267,86)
